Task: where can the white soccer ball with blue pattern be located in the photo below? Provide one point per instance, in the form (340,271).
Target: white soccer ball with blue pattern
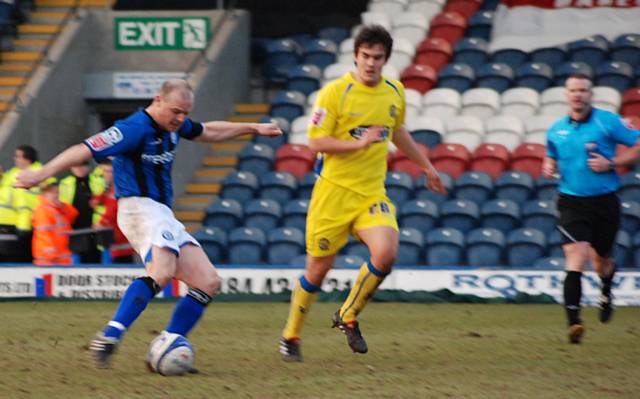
(171,354)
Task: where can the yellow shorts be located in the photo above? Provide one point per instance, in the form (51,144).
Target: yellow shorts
(335,211)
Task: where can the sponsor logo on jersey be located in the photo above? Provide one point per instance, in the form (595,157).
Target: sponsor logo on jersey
(165,157)
(357,132)
(393,111)
(319,115)
(106,139)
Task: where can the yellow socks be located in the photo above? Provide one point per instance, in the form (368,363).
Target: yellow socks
(303,296)
(368,280)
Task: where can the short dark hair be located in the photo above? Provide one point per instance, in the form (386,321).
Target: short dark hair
(28,152)
(371,35)
(579,75)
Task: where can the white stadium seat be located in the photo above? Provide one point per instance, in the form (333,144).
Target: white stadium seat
(480,102)
(389,7)
(442,103)
(413,100)
(606,98)
(409,25)
(553,102)
(507,130)
(464,129)
(520,101)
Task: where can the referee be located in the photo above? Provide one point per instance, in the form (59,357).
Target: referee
(581,148)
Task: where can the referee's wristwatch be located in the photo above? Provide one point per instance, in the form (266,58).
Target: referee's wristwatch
(612,164)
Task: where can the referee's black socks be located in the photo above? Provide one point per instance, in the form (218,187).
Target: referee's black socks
(606,283)
(572,295)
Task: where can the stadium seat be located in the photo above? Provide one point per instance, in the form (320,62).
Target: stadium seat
(278,186)
(288,104)
(409,25)
(255,158)
(480,102)
(616,74)
(464,130)
(592,50)
(419,77)
(466,8)
(299,128)
(629,186)
(550,263)
(505,129)
(303,78)
(355,247)
(552,56)
(388,7)
(445,247)
(294,214)
(301,39)
(305,186)
(263,214)
(399,162)
(525,246)
(402,54)
(512,57)
(474,186)
(528,158)
(239,186)
(622,250)
(273,142)
(458,77)
(214,243)
(566,69)
(547,188)
(426,8)
(490,5)
(555,242)
(320,52)
(606,98)
(423,193)
(335,71)
(471,51)
(284,244)
(345,52)
(521,102)
(378,15)
(462,215)
(300,261)
(418,214)
(334,33)
(485,247)
(534,75)
(553,102)
(452,159)
(410,247)
(492,159)
(434,52)
(626,48)
(246,246)
(348,262)
(281,54)
(540,215)
(296,159)
(480,25)
(496,76)
(630,216)
(631,102)
(425,130)
(449,26)
(399,187)
(413,102)
(635,249)
(442,103)
(515,186)
(503,215)
(224,214)
(536,128)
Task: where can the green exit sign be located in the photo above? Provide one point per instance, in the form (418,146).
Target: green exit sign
(161,33)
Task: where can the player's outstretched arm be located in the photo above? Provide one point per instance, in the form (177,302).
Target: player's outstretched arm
(403,140)
(334,145)
(73,155)
(221,130)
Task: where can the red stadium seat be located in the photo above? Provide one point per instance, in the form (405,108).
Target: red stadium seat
(527,157)
(492,159)
(434,52)
(399,162)
(466,8)
(452,159)
(621,170)
(631,102)
(419,77)
(449,26)
(296,159)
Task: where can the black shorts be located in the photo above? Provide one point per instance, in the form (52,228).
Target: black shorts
(592,219)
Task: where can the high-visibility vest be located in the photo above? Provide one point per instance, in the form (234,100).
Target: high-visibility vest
(25,200)
(49,246)
(96,186)
(7,198)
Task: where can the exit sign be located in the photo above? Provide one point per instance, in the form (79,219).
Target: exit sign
(161,33)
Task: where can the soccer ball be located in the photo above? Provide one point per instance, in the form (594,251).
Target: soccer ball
(170,354)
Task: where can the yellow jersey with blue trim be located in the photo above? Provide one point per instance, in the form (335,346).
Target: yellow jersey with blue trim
(344,109)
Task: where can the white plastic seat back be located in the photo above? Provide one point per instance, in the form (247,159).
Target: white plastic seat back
(480,102)
(522,102)
(606,98)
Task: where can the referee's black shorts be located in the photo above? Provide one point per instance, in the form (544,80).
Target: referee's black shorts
(592,219)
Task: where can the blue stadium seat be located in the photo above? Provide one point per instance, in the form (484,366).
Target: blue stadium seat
(256,158)
(592,50)
(288,104)
(616,74)
(301,38)
(273,142)
(471,51)
(348,262)
(630,216)
(461,215)
(474,186)
(423,193)
(300,261)
(515,186)
(550,263)
(263,214)
(278,186)
(246,245)
(304,78)
(225,214)
(356,247)
(525,246)
(485,247)
(334,33)
(399,187)
(490,5)
(319,52)
(305,186)
(284,244)
(540,215)
(480,24)
(635,249)
(214,243)
(239,186)
(445,247)
(534,75)
(547,188)
(410,249)
(509,56)
(496,76)
(622,250)
(629,186)
(419,214)
(552,56)
(426,130)
(555,243)
(295,214)
(566,69)
(458,77)
(500,214)
(280,55)
(626,48)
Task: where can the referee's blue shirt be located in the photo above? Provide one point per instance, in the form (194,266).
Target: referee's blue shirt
(143,155)
(569,142)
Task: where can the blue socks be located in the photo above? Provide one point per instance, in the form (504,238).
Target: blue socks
(188,311)
(134,301)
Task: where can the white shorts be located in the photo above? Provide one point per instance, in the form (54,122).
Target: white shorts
(148,223)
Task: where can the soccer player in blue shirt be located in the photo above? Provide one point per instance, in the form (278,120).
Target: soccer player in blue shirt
(581,147)
(143,148)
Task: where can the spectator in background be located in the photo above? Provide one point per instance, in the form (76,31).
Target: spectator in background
(51,220)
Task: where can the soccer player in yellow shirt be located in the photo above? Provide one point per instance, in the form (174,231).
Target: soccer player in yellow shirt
(354,119)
